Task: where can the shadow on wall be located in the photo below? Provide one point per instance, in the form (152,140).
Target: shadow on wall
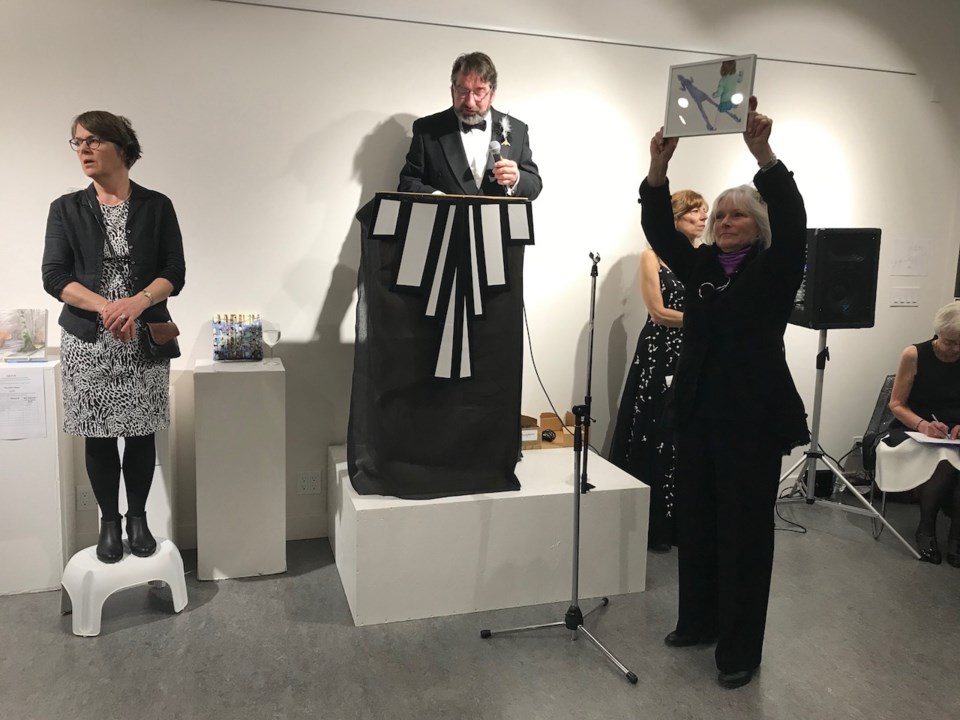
(619,317)
(319,372)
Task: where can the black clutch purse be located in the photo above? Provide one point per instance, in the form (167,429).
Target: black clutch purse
(160,340)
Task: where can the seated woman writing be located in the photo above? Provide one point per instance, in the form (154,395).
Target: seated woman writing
(926,399)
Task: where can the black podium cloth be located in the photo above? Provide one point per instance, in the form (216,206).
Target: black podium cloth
(435,404)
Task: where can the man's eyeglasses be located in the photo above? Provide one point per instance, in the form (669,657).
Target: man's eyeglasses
(92,142)
(463,93)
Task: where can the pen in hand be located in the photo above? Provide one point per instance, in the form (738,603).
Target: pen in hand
(936,420)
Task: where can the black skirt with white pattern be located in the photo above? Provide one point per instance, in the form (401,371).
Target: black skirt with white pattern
(111,388)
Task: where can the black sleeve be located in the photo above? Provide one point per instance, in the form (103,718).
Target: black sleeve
(530,183)
(667,242)
(57,267)
(171,264)
(788,224)
(413,173)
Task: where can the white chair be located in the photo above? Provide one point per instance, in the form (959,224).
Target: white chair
(87,582)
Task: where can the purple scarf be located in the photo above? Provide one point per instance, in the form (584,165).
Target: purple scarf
(731,262)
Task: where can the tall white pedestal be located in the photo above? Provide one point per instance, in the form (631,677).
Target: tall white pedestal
(36,479)
(239,419)
(405,559)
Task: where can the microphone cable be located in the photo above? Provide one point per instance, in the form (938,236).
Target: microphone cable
(536,371)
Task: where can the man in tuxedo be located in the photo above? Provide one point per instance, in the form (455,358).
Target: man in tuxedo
(450,151)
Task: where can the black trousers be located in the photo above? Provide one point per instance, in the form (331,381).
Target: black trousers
(727,479)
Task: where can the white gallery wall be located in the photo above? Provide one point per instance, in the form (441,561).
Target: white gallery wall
(269,128)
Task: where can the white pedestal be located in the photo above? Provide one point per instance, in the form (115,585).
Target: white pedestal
(239,419)
(405,559)
(36,479)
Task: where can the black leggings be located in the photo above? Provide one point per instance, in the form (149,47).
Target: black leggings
(103,468)
(941,491)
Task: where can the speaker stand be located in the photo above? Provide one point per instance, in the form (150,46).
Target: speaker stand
(812,457)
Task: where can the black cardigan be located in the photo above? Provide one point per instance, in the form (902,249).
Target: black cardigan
(732,368)
(73,251)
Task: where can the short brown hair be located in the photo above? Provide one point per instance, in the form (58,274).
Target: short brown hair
(112,128)
(683,201)
(475,63)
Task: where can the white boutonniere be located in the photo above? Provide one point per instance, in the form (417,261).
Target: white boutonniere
(505,131)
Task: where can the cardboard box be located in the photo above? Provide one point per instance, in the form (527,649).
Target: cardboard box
(563,430)
(529,433)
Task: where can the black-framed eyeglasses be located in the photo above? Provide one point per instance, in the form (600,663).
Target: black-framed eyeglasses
(91,141)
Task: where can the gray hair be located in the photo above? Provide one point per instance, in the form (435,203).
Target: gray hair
(947,319)
(748,199)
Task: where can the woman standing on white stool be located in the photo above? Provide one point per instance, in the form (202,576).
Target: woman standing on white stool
(113,255)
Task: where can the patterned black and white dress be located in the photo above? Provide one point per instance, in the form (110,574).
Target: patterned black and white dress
(641,444)
(111,388)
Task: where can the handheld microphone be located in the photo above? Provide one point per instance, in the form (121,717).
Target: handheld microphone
(497,157)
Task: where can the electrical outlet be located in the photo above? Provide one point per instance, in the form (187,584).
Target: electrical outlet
(85,498)
(857,440)
(308,482)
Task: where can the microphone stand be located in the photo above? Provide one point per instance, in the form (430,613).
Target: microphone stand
(573,618)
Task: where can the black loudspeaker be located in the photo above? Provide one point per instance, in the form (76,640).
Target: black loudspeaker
(839,288)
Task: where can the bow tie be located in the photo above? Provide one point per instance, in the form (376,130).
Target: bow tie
(481,126)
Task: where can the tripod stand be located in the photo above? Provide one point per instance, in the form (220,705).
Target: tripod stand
(814,455)
(573,618)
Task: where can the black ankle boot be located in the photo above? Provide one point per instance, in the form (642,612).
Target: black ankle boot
(953,552)
(927,547)
(142,542)
(110,544)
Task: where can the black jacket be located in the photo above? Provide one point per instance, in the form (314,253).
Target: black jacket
(436,160)
(73,251)
(732,369)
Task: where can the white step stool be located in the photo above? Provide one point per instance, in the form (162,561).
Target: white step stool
(87,582)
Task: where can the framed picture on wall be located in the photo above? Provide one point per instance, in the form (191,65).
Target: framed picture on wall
(709,97)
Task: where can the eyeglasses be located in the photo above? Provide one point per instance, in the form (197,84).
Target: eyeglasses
(949,342)
(698,211)
(463,93)
(91,141)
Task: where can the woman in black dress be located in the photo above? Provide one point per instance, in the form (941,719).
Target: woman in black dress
(926,399)
(641,444)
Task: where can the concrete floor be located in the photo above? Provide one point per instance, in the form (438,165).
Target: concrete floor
(856,629)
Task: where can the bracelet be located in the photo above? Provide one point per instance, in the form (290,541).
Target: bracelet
(769,163)
(919,423)
(148,294)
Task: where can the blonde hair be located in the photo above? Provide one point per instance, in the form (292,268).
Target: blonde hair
(947,319)
(747,199)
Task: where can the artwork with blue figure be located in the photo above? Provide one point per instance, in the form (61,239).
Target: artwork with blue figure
(717,112)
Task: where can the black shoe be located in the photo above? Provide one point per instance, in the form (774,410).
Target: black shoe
(953,553)
(677,639)
(927,546)
(735,679)
(110,544)
(142,542)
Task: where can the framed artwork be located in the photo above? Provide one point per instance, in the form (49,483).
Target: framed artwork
(237,336)
(709,97)
(23,335)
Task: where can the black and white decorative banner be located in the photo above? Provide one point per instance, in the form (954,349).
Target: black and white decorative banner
(453,254)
